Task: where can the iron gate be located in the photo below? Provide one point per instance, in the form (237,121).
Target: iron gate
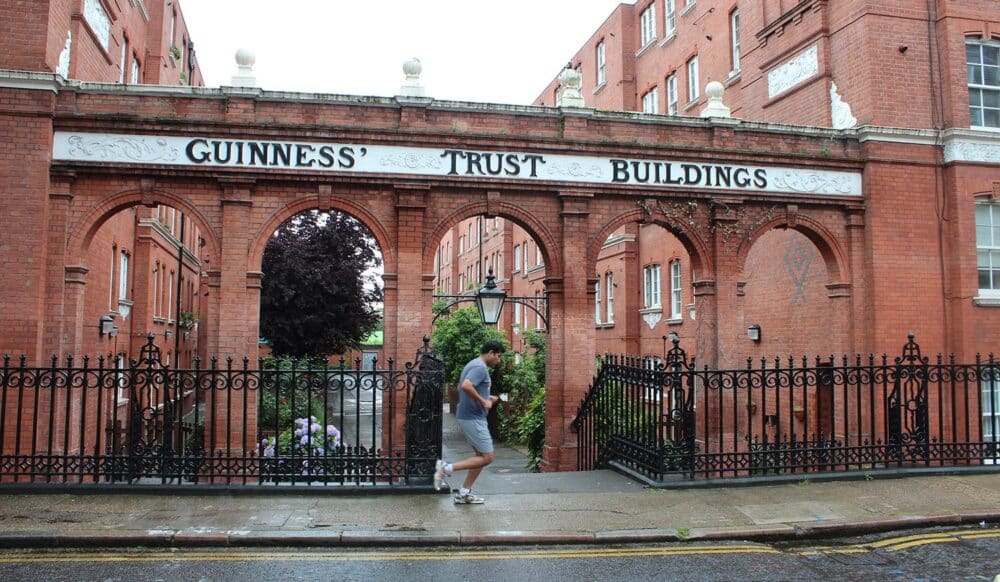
(226,424)
(670,420)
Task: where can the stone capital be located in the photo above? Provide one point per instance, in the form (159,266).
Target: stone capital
(412,196)
(237,190)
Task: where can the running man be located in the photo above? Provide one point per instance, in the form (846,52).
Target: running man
(474,404)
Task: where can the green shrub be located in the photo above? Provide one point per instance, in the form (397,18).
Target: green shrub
(523,420)
(457,339)
(289,389)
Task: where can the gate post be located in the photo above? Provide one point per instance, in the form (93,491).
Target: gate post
(407,295)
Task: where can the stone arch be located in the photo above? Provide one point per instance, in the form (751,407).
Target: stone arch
(696,248)
(85,229)
(826,243)
(524,219)
(255,253)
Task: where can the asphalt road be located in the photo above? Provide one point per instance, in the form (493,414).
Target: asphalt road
(942,554)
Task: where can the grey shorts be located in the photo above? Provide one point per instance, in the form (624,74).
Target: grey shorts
(477,434)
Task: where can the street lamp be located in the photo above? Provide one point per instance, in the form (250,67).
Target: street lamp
(107,324)
(490,300)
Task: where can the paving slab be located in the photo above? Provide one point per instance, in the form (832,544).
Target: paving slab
(771,513)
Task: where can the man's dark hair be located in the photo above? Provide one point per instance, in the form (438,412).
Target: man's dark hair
(493,346)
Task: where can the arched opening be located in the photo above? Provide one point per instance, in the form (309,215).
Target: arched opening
(142,269)
(321,289)
(786,300)
(643,293)
(465,255)
(321,309)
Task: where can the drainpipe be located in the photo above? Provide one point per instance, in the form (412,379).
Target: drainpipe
(937,119)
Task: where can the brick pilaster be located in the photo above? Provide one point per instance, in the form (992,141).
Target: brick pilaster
(570,370)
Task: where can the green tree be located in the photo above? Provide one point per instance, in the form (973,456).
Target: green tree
(458,337)
(318,295)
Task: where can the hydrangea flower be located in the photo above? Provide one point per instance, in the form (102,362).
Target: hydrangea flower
(308,438)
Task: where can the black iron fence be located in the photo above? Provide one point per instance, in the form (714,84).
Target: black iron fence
(665,420)
(291,424)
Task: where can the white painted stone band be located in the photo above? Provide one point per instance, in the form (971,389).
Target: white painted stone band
(344,158)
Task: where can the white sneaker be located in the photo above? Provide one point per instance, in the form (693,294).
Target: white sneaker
(439,474)
(469,498)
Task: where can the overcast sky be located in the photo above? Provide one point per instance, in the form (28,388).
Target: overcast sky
(502,51)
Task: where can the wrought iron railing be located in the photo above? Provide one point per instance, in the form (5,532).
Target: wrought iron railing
(227,424)
(670,420)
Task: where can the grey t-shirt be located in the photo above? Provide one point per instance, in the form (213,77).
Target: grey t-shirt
(479,374)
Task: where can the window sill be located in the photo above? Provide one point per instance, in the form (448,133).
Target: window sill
(733,77)
(670,37)
(982,301)
(645,47)
(676,320)
(599,88)
(688,8)
(692,104)
(608,325)
(655,309)
(159,320)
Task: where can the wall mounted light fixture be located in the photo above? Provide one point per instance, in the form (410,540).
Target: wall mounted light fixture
(107,324)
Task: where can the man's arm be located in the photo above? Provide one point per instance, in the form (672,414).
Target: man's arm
(469,388)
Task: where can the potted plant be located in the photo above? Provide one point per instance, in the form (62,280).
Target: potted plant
(187,320)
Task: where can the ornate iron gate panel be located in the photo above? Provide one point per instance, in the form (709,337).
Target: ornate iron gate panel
(152,403)
(231,425)
(908,422)
(673,421)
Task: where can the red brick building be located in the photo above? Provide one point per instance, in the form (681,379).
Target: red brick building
(142,280)
(830,240)
(928,68)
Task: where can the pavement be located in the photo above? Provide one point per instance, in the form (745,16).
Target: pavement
(593,507)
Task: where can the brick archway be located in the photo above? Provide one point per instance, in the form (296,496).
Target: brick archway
(255,252)
(239,164)
(83,230)
(832,251)
(519,215)
(701,257)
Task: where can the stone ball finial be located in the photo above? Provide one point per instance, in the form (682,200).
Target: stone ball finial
(413,68)
(411,84)
(244,76)
(245,58)
(714,90)
(715,107)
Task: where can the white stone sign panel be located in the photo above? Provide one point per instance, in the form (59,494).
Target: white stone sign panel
(352,158)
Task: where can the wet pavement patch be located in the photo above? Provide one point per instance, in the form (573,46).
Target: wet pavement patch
(788,512)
